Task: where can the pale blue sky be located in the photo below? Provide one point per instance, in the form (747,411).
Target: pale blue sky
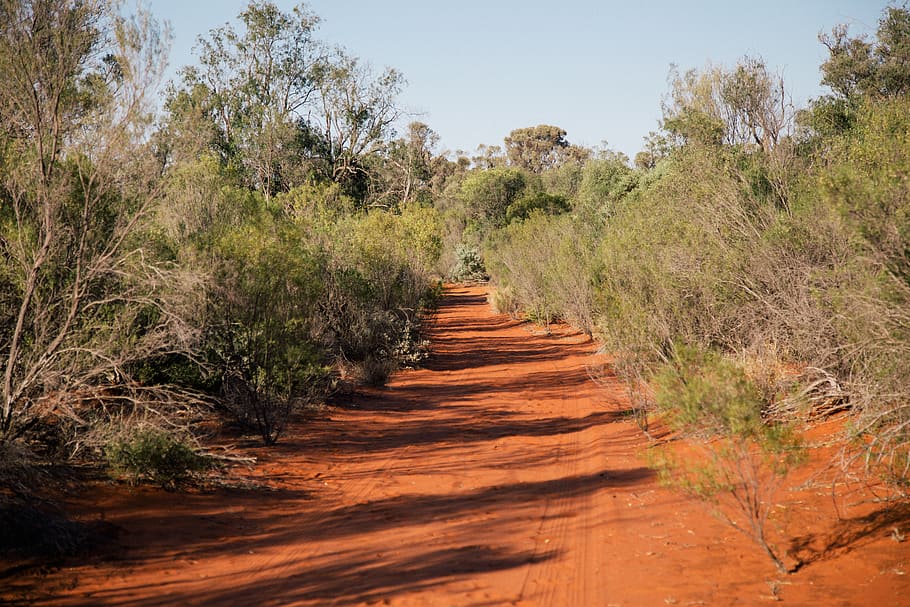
(478,69)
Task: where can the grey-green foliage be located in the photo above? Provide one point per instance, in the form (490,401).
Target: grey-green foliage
(604,182)
(547,265)
(866,186)
(279,107)
(859,69)
(699,258)
(537,148)
(469,264)
(261,327)
(536,202)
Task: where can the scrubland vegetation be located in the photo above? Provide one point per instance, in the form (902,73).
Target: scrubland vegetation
(262,242)
(265,237)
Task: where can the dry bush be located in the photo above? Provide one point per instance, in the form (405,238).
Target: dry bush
(546,265)
(84,294)
(502,301)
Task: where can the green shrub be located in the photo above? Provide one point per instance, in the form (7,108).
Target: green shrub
(263,321)
(486,195)
(520,258)
(866,184)
(742,460)
(502,300)
(604,182)
(154,455)
(536,202)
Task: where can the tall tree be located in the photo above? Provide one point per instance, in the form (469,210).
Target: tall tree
(747,105)
(356,114)
(407,168)
(858,69)
(856,66)
(255,88)
(537,148)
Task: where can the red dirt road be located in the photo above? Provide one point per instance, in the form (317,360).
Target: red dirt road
(497,475)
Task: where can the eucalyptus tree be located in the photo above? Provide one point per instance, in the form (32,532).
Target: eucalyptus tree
(407,169)
(537,148)
(356,113)
(279,107)
(251,93)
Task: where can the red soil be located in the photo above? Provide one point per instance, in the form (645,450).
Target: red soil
(500,474)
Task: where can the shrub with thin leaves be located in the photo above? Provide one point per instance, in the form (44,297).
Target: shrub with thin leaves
(740,460)
(154,455)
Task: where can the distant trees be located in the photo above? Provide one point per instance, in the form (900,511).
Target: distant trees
(859,69)
(251,92)
(744,106)
(488,194)
(357,110)
(410,170)
(539,148)
(279,106)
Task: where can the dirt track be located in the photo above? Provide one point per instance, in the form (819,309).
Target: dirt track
(497,475)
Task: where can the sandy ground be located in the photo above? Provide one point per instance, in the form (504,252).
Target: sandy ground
(499,474)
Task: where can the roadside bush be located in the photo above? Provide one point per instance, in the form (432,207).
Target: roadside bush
(155,455)
(604,182)
(469,265)
(520,258)
(547,266)
(866,184)
(741,460)
(698,258)
(377,288)
(502,300)
(261,336)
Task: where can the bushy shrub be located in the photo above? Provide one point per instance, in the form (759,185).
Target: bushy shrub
(261,335)
(866,184)
(520,258)
(503,301)
(742,459)
(469,265)
(604,182)
(486,195)
(536,202)
(155,455)
(697,258)
(547,267)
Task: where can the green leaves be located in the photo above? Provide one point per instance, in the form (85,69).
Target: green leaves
(702,391)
